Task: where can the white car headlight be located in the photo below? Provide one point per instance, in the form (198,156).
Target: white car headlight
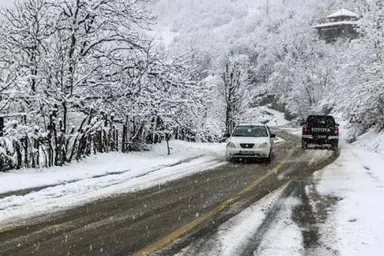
(263,145)
(231,145)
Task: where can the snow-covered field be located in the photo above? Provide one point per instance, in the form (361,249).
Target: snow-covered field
(100,176)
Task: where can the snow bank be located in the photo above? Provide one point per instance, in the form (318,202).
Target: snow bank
(356,223)
(294,131)
(56,189)
(372,141)
(109,163)
(264,115)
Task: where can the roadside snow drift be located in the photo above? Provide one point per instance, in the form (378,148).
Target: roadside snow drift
(264,115)
(53,189)
(356,223)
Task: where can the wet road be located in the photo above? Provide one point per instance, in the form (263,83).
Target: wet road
(166,218)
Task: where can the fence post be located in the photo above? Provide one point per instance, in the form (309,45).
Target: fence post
(26,144)
(35,153)
(1,126)
(124,139)
(52,137)
(116,139)
(18,155)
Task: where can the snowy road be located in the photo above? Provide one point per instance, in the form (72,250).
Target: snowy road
(336,211)
(166,217)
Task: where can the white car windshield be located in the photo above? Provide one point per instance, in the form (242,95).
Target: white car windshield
(250,131)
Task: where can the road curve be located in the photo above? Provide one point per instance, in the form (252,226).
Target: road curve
(165,218)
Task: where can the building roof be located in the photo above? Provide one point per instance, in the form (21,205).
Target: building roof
(343,13)
(334,24)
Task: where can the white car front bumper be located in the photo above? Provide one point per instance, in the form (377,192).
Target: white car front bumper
(248,152)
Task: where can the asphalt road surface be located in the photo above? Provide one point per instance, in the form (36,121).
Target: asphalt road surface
(164,219)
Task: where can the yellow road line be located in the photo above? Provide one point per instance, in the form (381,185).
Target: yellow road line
(203,218)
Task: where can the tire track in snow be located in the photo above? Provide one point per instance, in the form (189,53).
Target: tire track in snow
(254,243)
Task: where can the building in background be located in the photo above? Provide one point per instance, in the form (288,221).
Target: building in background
(342,23)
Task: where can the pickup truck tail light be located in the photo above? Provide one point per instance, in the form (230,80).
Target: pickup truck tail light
(335,130)
(305,128)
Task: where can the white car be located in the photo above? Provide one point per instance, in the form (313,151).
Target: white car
(250,141)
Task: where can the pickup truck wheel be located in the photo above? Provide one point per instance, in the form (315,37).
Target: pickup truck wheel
(304,144)
(335,144)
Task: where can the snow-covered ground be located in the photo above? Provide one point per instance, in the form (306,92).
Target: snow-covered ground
(109,163)
(264,115)
(99,176)
(294,131)
(372,141)
(355,225)
(163,35)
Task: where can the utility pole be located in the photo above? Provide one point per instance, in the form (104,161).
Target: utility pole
(268,8)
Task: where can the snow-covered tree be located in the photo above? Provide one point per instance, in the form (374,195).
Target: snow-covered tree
(78,69)
(365,88)
(235,88)
(287,59)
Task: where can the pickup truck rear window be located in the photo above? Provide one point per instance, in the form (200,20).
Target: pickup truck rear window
(320,121)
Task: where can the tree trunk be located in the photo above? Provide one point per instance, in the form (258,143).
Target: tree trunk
(167,138)
(18,155)
(124,139)
(26,163)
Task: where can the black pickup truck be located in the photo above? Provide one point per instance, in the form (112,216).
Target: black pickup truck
(320,130)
